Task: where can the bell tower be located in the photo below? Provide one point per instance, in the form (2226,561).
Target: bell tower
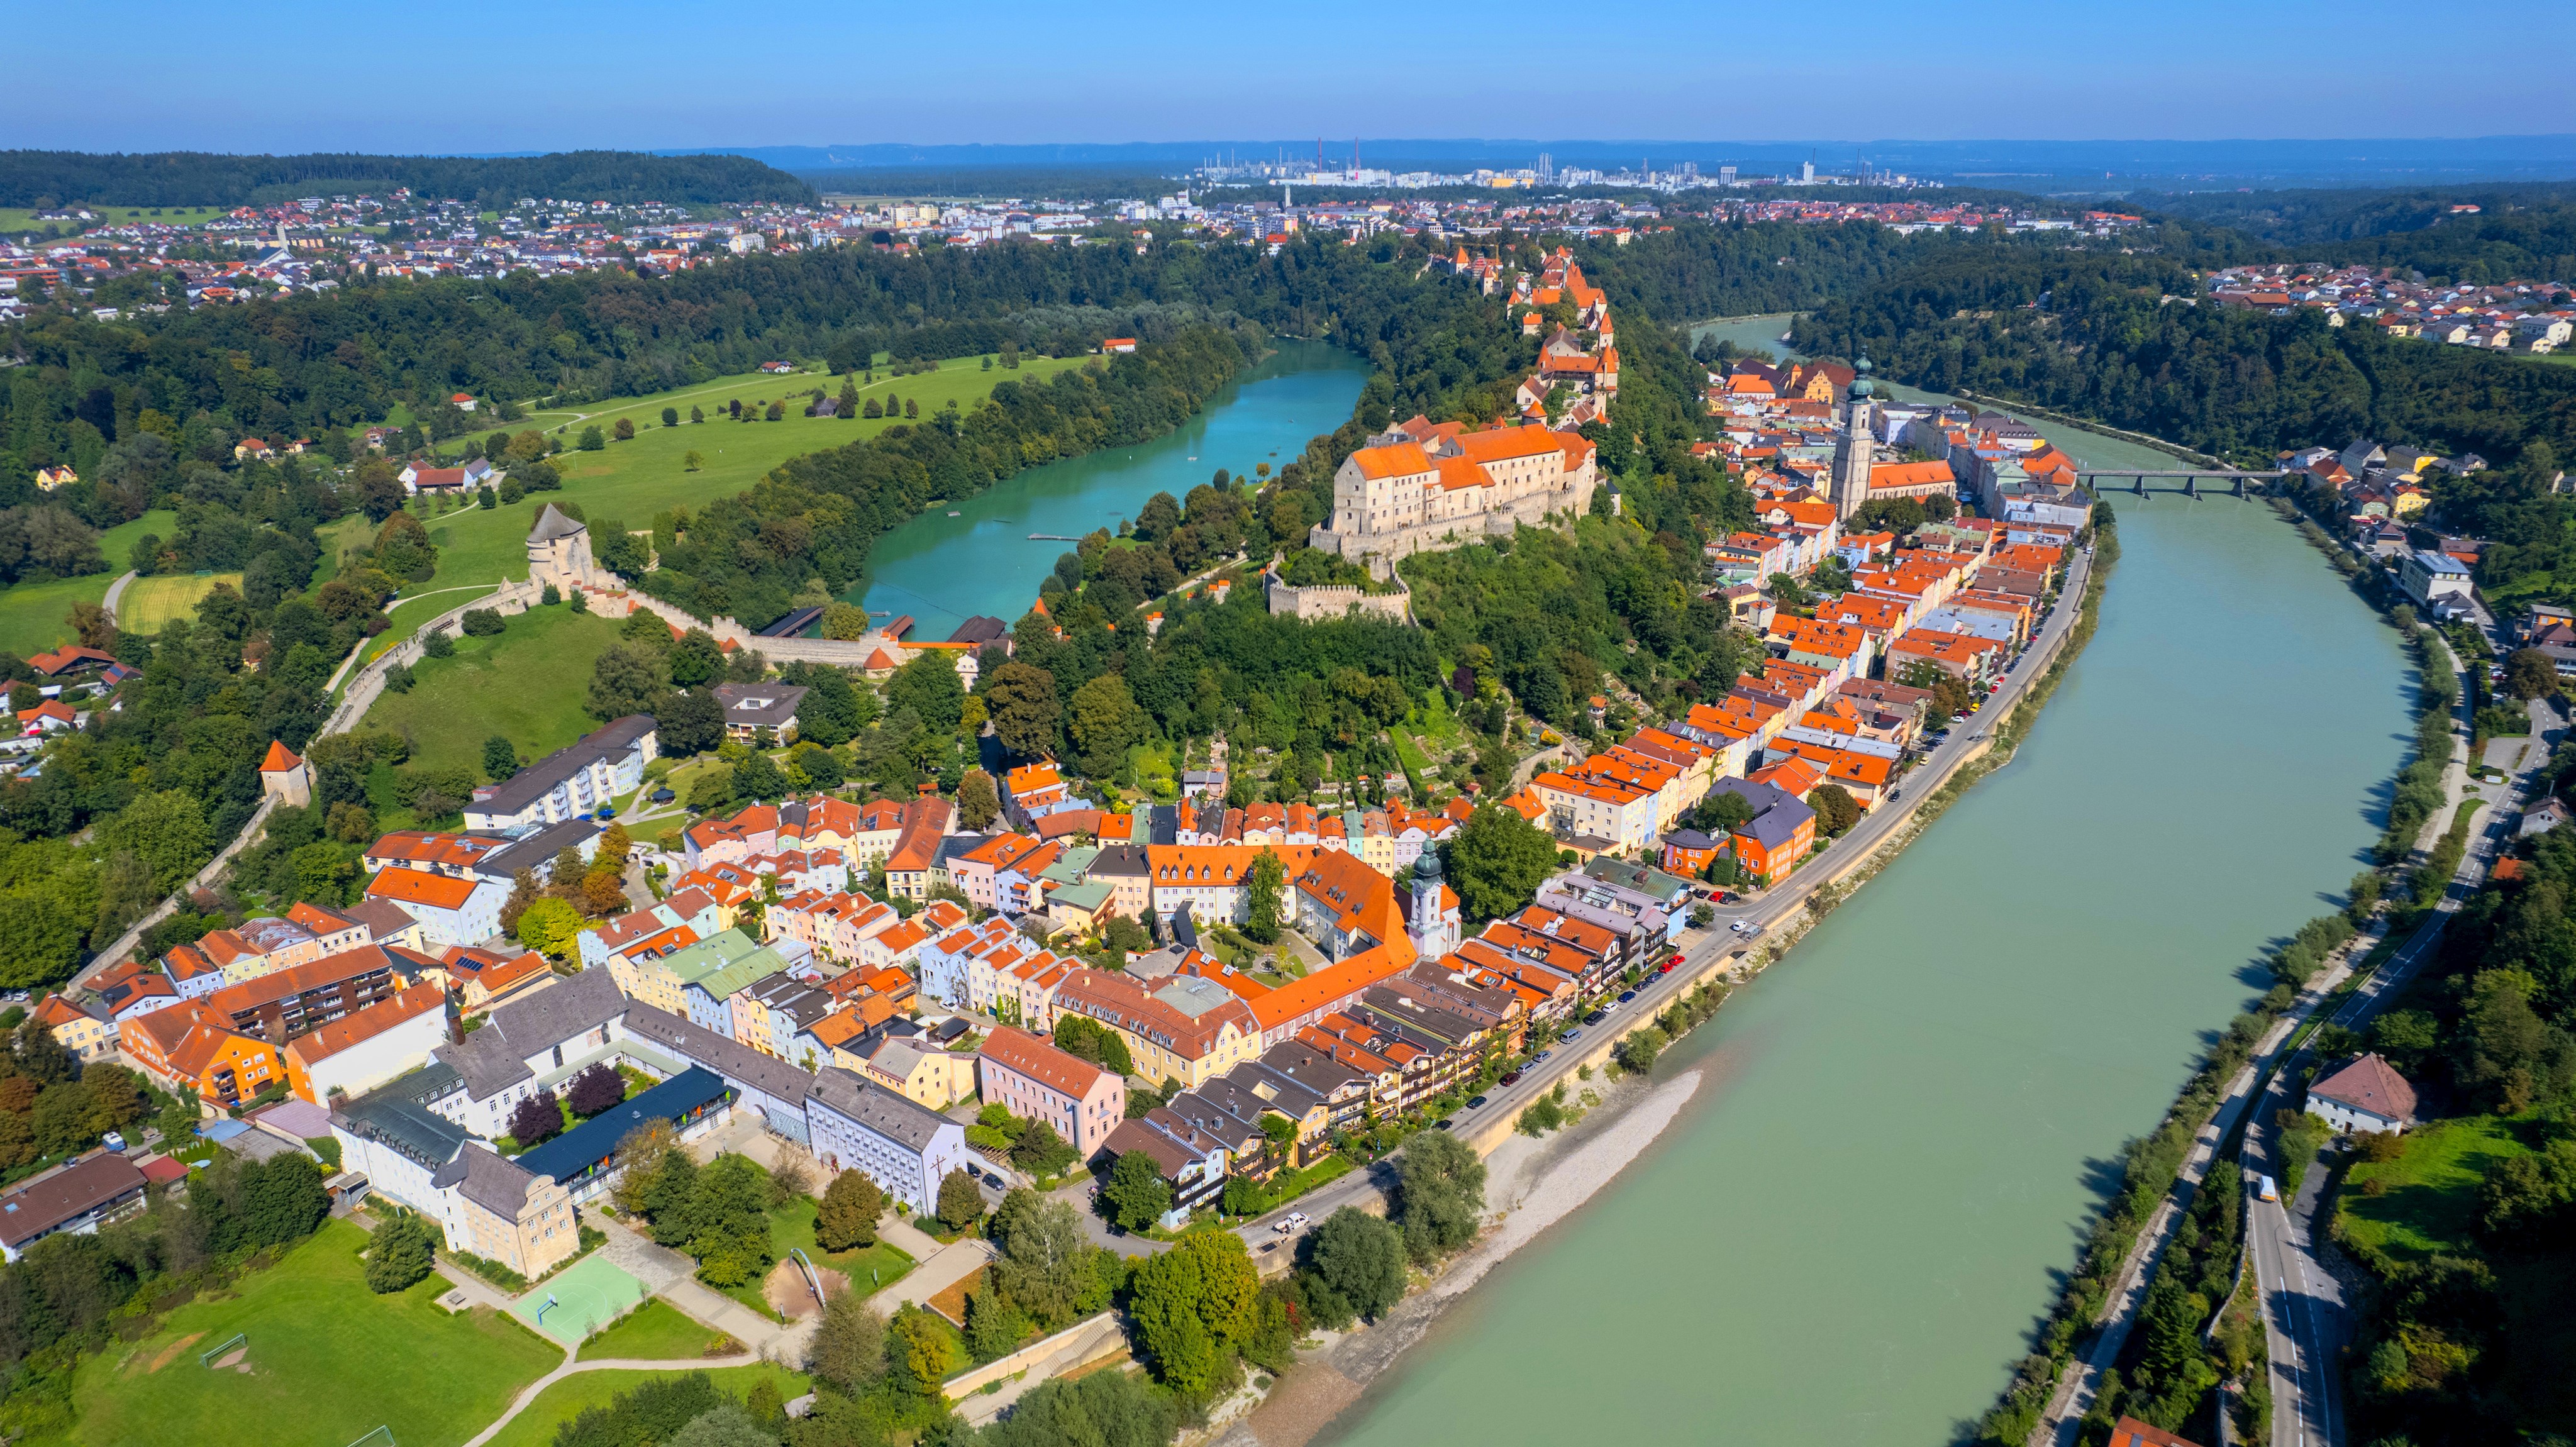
(1855,449)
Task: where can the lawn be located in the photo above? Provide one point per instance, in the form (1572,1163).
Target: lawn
(870,1268)
(319,1345)
(564,1400)
(2428,1200)
(148,604)
(631,481)
(528,683)
(15,220)
(32,614)
(657,1331)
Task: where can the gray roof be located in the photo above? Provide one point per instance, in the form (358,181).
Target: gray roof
(552,524)
(1776,814)
(394,1115)
(495,1057)
(736,1062)
(497,1185)
(1312,1068)
(890,1115)
(753,705)
(1194,995)
(1127,861)
(537,849)
(539,779)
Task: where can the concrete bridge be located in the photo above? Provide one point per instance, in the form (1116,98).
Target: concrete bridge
(2190,482)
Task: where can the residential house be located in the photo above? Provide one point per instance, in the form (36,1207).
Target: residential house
(2365,1095)
(1037,1082)
(360,1051)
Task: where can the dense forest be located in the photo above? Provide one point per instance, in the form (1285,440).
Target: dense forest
(2525,232)
(2118,337)
(201,178)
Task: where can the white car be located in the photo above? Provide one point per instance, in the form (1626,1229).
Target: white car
(1293,1221)
(1735,926)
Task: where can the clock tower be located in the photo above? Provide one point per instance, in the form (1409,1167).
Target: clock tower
(1849,485)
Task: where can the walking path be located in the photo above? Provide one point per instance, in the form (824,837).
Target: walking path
(115,592)
(572,1368)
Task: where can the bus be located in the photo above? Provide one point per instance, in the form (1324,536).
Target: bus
(2264,1190)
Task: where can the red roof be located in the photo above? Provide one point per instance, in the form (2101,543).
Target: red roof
(280,759)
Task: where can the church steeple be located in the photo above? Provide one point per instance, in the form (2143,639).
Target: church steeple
(1854,450)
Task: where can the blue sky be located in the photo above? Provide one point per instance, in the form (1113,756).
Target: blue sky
(478,76)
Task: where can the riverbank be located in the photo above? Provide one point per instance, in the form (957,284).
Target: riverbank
(1535,1184)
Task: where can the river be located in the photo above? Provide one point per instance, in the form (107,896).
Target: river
(1905,1126)
(943,570)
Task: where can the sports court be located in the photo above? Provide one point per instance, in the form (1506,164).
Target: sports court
(587,1296)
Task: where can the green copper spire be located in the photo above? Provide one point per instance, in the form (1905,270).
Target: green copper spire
(1861,385)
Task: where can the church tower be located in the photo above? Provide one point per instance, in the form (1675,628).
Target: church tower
(1434,924)
(1849,485)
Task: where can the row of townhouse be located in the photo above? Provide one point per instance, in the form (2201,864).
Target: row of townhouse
(456,884)
(1387,838)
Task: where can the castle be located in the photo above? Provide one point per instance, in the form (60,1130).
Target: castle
(1429,485)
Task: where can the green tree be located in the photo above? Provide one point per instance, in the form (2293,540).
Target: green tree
(1103,1409)
(670,416)
(1268,893)
(625,429)
(1022,701)
(978,802)
(627,679)
(1497,861)
(2529,674)
(723,1425)
(1105,723)
(500,759)
(848,1216)
(548,926)
(848,1349)
(692,460)
(398,1254)
(1439,1194)
(757,777)
(960,1201)
(928,685)
(1136,1192)
(921,1348)
(1087,1039)
(167,830)
(845,621)
(1194,1305)
(592,440)
(1361,1258)
(1836,810)
(993,1325)
(1047,1266)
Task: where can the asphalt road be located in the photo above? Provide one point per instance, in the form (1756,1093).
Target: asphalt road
(1699,947)
(2308,1321)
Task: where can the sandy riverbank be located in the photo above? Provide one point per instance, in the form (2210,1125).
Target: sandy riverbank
(1530,1186)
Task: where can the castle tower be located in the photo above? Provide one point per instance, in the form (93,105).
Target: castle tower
(559,552)
(1848,487)
(286,775)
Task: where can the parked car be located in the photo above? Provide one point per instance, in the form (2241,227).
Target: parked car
(1474,1101)
(1511,1077)
(1595,1018)
(1569,1037)
(1667,969)
(1542,1055)
(1626,995)
(1440,1125)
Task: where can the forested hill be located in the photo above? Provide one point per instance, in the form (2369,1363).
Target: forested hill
(2118,337)
(2524,232)
(199,178)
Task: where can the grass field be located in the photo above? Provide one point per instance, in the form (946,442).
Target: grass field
(564,1400)
(149,604)
(631,481)
(14,220)
(655,1331)
(31,614)
(328,1361)
(528,682)
(2428,1198)
(792,1225)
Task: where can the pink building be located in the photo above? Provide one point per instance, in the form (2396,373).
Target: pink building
(1036,1081)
